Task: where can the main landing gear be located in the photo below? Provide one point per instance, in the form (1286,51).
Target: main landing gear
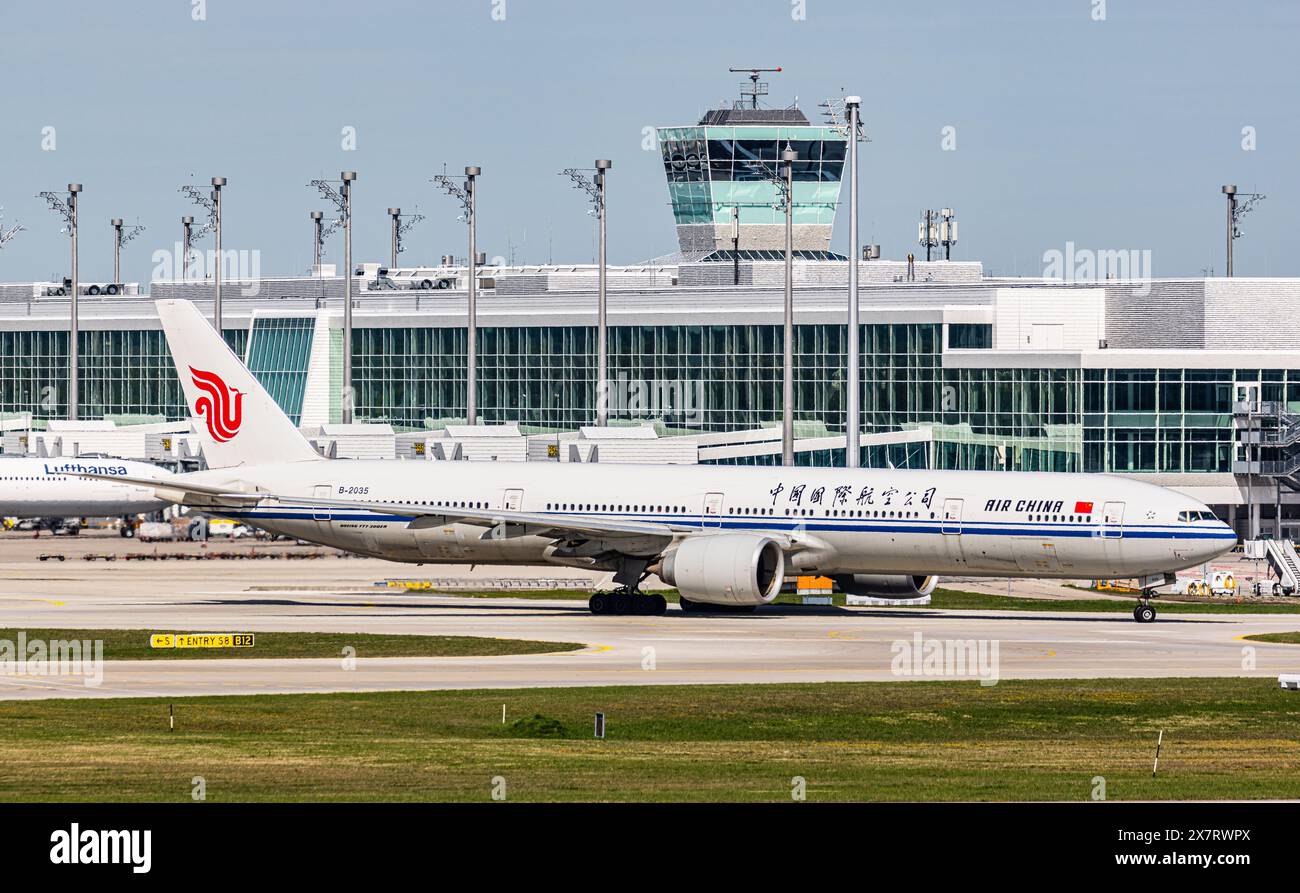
(1145,612)
(628,598)
(627,601)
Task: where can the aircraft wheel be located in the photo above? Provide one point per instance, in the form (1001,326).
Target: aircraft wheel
(649,605)
(600,604)
(1144,614)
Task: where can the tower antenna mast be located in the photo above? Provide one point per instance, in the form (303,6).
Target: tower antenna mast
(755,88)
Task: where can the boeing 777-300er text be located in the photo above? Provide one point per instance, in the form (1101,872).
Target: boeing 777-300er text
(725,537)
(50,490)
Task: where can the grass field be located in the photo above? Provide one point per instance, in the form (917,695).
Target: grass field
(1019,740)
(1279,638)
(133,644)
(957,600)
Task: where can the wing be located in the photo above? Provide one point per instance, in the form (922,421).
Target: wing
(525,523)
(497,522)
(576,527)
(180,491)
(519,523)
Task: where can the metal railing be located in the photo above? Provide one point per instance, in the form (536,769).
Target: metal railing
(1268,467)
(1282,556)
(1283,433)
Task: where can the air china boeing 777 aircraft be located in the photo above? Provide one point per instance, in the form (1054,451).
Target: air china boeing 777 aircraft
(725,537)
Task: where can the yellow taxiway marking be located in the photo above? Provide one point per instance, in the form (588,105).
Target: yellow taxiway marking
(1247,636)
(590,649)
(50,601)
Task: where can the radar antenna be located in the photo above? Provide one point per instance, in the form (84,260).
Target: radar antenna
(756,88)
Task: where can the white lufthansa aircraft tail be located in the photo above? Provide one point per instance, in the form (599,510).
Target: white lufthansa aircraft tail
(240,423)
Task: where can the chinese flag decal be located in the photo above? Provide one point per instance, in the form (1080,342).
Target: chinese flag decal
(1083,508)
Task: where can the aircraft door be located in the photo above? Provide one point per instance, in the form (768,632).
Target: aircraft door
(951,523)
(950,527)
(322,513)
(1112,520)
(712,510)
(513,500)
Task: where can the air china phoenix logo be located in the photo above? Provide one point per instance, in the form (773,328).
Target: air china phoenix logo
(220,405)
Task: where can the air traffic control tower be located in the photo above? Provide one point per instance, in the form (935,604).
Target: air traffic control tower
(722,168)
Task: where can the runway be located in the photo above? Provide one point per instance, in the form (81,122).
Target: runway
(774,645)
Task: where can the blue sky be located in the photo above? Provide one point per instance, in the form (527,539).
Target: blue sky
(1112,134)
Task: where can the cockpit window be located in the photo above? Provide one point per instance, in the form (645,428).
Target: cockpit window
(1197,516)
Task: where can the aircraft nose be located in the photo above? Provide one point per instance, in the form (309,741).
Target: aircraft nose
(1218,539)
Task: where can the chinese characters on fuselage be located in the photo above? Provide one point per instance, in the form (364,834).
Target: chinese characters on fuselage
(843,495)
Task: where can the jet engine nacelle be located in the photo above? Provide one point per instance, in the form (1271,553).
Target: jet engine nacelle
(726,569)
(902,586)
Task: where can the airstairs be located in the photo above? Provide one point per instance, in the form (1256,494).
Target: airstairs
(1282,557)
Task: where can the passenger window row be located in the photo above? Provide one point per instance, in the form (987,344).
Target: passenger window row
(438,503)
(604,507)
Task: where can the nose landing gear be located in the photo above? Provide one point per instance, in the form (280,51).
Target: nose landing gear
(1145,612)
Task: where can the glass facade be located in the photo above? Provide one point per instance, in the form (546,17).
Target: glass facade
(703,378)
(1022,419)
(1172,420)
(698,378)
(712,170)
(728,378)
(278,353)
(122,372)
(970,336)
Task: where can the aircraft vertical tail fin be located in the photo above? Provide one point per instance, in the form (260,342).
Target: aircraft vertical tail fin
(238,420)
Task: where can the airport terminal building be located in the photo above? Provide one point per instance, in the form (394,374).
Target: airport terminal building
(1192,383)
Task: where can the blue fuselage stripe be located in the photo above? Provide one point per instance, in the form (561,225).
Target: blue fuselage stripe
(855,525)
